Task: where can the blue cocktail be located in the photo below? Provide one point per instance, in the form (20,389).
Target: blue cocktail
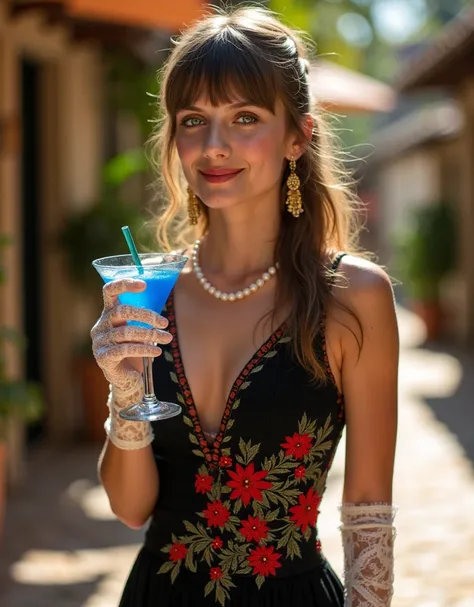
(160,272)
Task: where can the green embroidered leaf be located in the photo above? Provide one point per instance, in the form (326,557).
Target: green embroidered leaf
(190,527)
(237,506)
(208,556)
(209,587)
(271,354)
(166,548)
(293,549)
(203,470)
(180,398)
(227,439)
(240,459)
(230,423)
(236,404)
(225,451)
(226,489)
(272,515)
(193,439)
(220,595)
(257,509)
(226,582)
(189,561)
(166,567)
(168,356)
(259,580)
(173,377)
(284,340)
(245,385)
(307,534)
(175,572)
(252,452)
(198,453)
(187,420)
(257,369)
(174,539)
(245,570)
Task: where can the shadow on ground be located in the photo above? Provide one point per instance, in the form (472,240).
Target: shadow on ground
(61,540)
(456,411)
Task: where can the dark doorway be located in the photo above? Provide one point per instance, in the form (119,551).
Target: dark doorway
(31,226)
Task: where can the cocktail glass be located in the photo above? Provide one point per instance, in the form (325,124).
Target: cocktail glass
(160,272)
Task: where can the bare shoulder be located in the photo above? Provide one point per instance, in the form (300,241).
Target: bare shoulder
(365,294)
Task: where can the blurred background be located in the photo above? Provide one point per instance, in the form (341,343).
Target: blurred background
(77,102)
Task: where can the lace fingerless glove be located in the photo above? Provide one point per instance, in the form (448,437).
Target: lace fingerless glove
(125,434)
(368,536)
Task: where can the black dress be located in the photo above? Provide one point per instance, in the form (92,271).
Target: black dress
(236,521)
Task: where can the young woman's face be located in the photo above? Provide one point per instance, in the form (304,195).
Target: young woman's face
(233,153)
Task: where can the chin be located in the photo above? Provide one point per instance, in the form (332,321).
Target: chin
(219,200)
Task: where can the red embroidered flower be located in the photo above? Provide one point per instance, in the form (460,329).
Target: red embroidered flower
(297,445)
(217,543)
(318,546)
(216,573)
(264,560)
(225,461)
(254,529)
(247,483)
(306,512)
(300,472)
(203,483)
(217,514)
(177,552)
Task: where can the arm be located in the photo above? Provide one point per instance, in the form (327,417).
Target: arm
(127,467)
(369,380)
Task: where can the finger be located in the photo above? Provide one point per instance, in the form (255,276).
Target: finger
(122,313)
(133,334)
(117,353)
(102,326)
(113,289)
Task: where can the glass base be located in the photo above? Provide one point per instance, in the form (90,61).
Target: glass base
(150,410)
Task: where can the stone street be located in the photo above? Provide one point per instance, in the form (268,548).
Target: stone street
(62,546)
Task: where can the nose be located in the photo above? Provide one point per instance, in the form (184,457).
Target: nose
(216,144)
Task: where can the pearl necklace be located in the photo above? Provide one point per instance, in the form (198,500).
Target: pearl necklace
(255,286)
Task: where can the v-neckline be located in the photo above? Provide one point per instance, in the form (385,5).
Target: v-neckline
(212,450)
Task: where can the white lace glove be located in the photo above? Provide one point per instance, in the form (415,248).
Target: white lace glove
(368,536)
(115,346)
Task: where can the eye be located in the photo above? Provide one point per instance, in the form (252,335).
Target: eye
(247,119)
(191,121)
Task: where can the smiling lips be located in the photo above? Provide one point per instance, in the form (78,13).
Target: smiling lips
(220,175)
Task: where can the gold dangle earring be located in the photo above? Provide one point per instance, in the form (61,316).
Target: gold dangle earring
(193,207)
(294,202)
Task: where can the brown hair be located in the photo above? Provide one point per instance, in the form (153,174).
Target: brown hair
(249,52)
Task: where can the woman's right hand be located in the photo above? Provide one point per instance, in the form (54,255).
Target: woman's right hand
(119,348)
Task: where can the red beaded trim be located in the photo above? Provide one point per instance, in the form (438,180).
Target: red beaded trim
(212,453)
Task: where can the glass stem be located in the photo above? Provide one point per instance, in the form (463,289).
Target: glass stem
(148,378)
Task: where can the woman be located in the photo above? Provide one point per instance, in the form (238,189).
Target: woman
(285,336)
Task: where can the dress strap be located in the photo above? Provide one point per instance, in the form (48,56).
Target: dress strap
(337,260)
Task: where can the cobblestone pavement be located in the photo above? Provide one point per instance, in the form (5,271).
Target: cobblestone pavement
(63,548)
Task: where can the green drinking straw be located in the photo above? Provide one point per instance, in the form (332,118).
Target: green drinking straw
(132,248)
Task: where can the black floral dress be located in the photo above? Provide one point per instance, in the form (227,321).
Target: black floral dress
(236,520)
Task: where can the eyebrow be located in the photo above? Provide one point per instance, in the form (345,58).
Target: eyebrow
(234,106)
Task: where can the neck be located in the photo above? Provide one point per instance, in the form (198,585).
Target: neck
(237,246)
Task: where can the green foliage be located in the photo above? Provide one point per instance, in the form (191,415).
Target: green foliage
(94,233)
(427,251)
(17,397)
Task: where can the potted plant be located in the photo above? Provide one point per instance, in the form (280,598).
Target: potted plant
(87,235)
(18,398)
(426,255)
